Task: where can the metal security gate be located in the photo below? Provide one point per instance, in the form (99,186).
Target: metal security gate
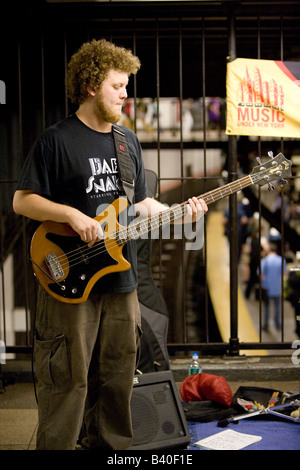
(184,48)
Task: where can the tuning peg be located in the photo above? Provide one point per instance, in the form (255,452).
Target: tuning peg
(271,187)
(258,160)
(283,181)
(270,153)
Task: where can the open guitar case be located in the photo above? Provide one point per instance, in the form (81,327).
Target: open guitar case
(152,354)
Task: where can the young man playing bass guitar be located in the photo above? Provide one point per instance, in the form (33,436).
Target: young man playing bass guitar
(85,351)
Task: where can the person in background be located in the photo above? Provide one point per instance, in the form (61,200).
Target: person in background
(272,268)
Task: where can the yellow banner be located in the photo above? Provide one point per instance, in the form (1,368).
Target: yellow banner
(263,98)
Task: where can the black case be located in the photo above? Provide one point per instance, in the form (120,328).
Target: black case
(206,411)
(258,394)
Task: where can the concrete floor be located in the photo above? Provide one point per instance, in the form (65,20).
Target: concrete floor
(18,417)
(18,408)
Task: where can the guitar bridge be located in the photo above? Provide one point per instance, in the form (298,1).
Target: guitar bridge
(54,266)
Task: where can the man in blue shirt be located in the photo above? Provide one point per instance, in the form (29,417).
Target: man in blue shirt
(271,272)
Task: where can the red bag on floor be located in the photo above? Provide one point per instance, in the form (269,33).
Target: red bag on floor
(204,386)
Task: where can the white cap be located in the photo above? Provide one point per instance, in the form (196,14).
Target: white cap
(274,234)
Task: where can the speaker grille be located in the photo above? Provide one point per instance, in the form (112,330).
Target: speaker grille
(154,414)
(144,420)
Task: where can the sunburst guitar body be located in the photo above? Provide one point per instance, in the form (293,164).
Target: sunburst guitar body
(66,267)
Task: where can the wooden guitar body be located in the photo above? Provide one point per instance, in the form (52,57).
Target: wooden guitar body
(73,268)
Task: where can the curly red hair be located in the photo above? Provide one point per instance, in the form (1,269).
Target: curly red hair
(91,64)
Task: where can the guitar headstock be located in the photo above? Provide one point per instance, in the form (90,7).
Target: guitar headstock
(277,168)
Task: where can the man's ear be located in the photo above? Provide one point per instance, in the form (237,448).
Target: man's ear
(90,91)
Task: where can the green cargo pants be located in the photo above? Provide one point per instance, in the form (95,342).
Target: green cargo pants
(85,357)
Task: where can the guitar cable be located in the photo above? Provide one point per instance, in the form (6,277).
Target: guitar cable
(45,272)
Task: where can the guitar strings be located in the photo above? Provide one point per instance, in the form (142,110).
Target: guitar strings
(103,245)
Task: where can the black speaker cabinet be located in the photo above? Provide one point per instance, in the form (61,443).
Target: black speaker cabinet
(158,419)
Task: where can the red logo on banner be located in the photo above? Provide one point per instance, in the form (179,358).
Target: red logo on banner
(262,98)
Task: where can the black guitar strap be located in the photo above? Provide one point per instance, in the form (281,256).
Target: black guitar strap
(124,162)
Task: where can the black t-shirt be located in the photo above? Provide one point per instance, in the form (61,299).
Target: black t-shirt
(72,164)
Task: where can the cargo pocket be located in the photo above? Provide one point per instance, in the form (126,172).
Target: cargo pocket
(138,334)
(51,361)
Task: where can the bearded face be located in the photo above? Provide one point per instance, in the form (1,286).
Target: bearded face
(110,98)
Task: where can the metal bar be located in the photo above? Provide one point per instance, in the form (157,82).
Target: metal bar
(2,273)
(182,322)
(157,63)
(282,215)
(20,110)
(66,66)
(43,79)
(27,322)
(205,170)
(259,193)
(173,348)
(134,79)
(225,347)
(233,223)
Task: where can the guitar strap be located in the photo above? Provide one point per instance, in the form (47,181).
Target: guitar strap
(124,162)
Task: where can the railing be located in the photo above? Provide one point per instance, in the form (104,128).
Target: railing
(194,38)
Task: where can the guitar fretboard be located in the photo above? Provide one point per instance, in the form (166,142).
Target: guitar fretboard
(139,228)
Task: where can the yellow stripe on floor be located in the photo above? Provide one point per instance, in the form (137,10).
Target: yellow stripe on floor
(218,278)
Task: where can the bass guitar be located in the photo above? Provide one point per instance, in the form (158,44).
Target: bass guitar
(68,269)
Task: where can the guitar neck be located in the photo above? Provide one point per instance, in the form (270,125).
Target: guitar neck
(226,190)
(140,227)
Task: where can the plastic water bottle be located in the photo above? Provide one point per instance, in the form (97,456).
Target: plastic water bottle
(195,367)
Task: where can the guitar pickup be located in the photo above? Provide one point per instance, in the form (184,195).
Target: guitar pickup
(54,266)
